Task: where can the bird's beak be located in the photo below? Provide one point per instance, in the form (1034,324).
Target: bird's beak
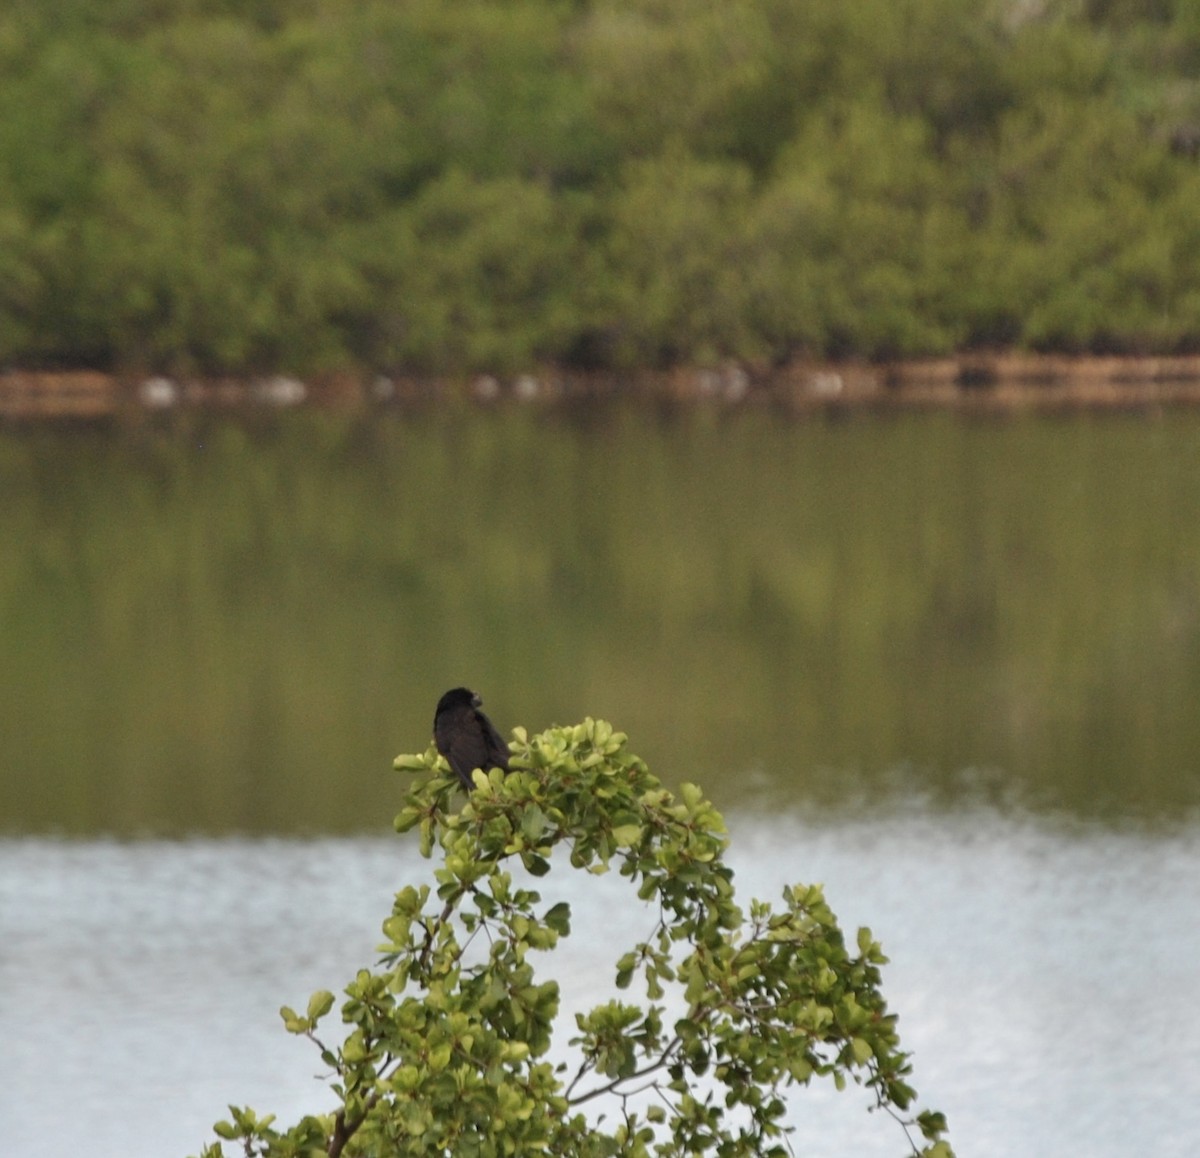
(476,700)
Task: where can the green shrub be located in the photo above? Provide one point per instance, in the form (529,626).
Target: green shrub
(429,187)
(447,1051)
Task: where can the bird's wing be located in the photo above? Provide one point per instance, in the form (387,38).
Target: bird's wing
(461,740)
(497,749)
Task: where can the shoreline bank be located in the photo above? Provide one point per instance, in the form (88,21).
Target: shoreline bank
(984,383)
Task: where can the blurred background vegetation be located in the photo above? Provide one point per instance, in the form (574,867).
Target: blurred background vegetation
(433,186)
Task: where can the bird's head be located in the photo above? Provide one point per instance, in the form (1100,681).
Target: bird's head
(459,698)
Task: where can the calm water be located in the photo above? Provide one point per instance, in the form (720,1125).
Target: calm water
(950,668)
(222,627)
(1046,980)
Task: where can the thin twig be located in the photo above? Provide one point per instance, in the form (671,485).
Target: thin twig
(661,1062)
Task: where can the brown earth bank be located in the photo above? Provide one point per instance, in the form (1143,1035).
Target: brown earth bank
(979,382)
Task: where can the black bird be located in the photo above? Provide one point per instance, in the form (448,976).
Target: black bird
(466,737)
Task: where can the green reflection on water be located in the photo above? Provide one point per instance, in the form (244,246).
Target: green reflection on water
(234,626)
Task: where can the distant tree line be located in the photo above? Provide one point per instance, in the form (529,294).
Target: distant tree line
(447,185)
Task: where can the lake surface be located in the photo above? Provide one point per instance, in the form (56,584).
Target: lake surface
(1046,980)
(213,626)
(949,667)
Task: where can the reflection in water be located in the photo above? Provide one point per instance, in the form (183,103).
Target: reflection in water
(1044,976)
(219,628)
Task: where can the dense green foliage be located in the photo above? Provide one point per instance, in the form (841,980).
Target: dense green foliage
(448,1042)
(434,186)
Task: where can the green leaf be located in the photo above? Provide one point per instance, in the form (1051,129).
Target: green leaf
(406,1079)
(533,823)
(319,1004)
(535,865)
(293,1022)
(559,918)
(627,835)
(800,1069)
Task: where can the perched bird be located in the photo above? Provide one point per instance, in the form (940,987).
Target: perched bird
(466,737)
